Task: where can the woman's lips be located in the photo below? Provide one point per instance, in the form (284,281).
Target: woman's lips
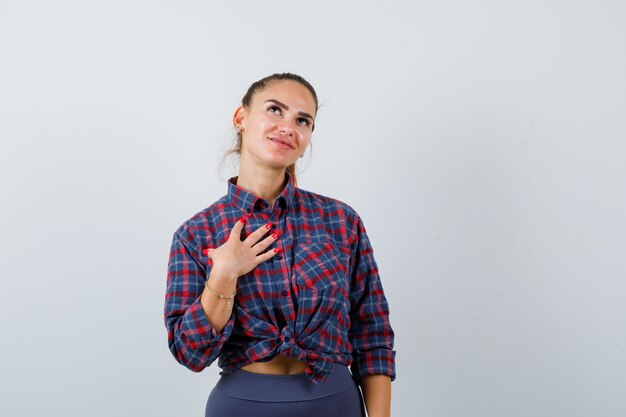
(279,143)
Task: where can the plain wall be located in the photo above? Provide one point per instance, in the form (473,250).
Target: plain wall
(481,142)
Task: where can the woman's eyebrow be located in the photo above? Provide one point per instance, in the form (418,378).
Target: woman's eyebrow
(286,107)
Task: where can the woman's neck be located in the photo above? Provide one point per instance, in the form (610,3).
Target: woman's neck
(266,184)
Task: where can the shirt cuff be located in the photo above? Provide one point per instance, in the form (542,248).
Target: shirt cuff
(199,331)
(374,362)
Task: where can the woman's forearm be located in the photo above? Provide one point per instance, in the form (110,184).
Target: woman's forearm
(213,306)
(377,395)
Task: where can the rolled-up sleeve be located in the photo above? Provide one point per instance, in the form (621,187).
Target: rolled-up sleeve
(192,339)
(370,334)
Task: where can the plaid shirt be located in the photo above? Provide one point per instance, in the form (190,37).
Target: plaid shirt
(320,300)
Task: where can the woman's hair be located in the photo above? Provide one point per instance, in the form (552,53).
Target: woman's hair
(259,86)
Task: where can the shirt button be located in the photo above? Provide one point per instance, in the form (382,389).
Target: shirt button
(284,292)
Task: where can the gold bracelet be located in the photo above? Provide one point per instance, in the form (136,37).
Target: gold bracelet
(218,295)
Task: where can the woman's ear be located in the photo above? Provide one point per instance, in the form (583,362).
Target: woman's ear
(239,116)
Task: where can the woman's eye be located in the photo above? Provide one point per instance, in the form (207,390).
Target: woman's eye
(305,122)
(271,108)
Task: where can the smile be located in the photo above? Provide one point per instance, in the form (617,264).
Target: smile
(280,144)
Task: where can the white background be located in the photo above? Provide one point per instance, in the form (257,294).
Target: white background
(482,142)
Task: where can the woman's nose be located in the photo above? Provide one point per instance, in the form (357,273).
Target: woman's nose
(285,128)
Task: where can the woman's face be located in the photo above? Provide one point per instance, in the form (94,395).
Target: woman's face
(278,124)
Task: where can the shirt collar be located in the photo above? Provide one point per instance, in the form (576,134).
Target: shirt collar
(248,201)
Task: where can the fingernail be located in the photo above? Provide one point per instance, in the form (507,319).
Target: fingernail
(243,219)
(268,226)
(275,235)
(206,251)
(277,250)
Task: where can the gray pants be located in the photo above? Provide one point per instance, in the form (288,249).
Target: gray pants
(244,393)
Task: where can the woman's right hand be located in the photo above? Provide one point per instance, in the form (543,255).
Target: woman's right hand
(237,257)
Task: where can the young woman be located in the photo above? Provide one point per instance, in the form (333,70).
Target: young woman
(278,282)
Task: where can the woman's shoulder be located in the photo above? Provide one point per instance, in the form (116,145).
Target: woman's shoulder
(332,207)
(202,221)
(327,202)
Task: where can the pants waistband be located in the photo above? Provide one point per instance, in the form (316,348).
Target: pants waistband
(295,387)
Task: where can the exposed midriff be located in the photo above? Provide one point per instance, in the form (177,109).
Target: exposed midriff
(278,365)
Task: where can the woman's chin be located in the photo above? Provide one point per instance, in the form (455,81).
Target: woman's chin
(279,162)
